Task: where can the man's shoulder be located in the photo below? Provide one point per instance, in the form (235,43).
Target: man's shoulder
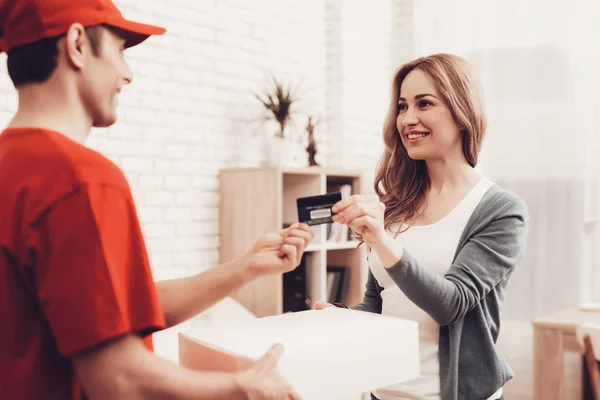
(42,167)
(45,154)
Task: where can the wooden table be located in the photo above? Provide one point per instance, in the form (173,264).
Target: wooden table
(553,335)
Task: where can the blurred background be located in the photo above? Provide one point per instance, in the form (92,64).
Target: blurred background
(192,111)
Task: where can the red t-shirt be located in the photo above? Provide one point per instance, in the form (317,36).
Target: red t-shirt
(74,270)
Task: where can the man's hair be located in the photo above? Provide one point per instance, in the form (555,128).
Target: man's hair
(35,62)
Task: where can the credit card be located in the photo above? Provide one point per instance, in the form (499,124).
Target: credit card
(316,210)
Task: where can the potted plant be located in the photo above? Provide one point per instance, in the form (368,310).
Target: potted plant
(278,102)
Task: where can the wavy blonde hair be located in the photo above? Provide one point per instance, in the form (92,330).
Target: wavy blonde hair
(401,182)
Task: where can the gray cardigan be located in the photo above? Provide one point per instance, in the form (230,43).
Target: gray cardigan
(467,301)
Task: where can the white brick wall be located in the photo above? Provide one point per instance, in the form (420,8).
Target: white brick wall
(367,42)
(190,109)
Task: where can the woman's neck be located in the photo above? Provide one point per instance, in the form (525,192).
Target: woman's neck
(449,175)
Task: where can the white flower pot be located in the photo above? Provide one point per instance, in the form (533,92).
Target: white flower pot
(282,152)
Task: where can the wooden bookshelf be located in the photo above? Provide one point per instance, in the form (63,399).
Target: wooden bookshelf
(255,201)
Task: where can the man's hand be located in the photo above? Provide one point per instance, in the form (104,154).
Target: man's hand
(274,253)
(262,382)
(279,252)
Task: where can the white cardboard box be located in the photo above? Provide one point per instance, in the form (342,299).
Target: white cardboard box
(329,354)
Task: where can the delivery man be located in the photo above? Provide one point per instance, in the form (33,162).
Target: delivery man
(77,296)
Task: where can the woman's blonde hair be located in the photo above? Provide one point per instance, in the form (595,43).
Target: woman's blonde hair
(401,182)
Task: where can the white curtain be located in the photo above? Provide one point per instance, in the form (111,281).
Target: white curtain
(538,62)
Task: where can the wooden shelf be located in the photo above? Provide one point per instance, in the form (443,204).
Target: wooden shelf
(332,172)
(352,244)
(255,201)
(322,171)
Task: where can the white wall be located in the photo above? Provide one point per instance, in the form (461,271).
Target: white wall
(367,42)
(190,109)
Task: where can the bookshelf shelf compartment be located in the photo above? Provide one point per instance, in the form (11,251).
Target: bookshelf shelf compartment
(255,201)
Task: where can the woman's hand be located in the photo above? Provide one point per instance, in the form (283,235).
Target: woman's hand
(320,305)
(363,214)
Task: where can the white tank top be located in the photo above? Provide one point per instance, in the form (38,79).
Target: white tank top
(434,247)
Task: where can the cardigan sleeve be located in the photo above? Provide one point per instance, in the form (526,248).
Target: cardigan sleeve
(486,258)
(372,298)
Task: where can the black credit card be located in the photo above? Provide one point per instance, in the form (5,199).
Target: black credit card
(316,210)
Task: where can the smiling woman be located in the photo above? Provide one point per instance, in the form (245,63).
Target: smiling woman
(443,241)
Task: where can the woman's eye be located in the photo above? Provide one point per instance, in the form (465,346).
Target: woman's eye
(402,107)
(424,103)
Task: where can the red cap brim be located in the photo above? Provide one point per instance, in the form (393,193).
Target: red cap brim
(135,32)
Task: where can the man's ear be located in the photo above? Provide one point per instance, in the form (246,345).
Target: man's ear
(76,45)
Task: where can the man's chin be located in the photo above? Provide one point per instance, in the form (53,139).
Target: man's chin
(105,122)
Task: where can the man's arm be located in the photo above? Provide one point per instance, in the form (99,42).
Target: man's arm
(183,298)
(125,369)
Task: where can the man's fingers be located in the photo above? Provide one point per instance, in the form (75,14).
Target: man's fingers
(299,243)
(284,232)
(293,394)
(300,246)
(306,228)
(271,241)
(290,253)
(269,360)
(307,236)
(300,230)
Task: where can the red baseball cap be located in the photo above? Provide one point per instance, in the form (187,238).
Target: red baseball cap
(28,21)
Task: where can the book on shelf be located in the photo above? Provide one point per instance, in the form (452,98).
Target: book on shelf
(337,284)
(336,232)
